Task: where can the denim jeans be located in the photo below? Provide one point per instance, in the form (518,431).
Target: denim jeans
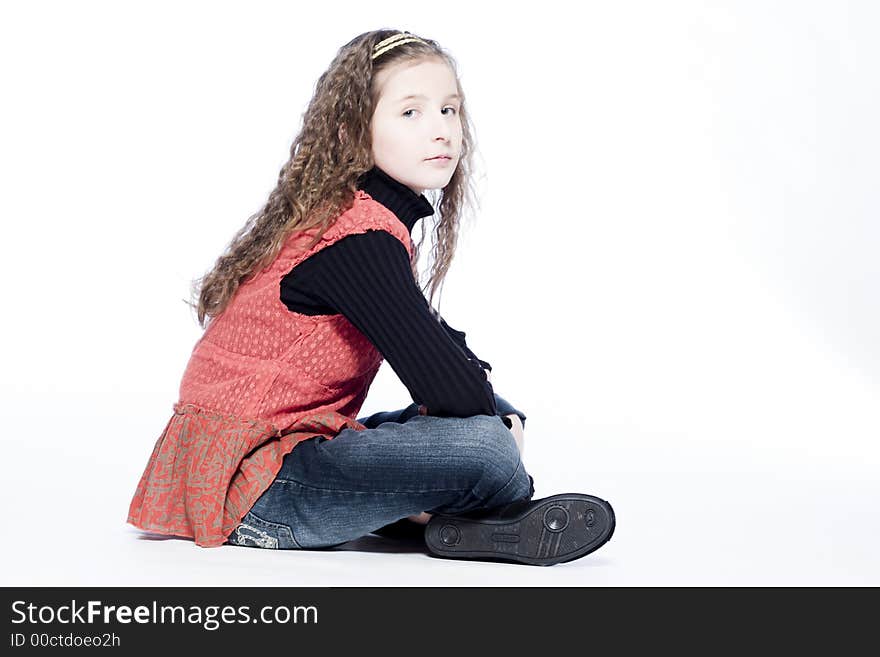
(333,490)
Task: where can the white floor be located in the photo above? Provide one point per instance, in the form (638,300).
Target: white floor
(689,513)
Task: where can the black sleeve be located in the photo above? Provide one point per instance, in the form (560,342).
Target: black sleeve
(459,336)
(503,407)
(367,278)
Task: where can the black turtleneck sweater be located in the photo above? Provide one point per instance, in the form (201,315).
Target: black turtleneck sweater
(367,278)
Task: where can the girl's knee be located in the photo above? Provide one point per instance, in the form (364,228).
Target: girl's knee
(498,440)
(493,451)
(476,453)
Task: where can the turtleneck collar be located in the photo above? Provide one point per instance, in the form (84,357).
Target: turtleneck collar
(408,206)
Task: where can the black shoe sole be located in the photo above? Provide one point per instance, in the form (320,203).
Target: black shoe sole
(550,530)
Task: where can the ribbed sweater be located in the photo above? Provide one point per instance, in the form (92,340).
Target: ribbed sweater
(368,279)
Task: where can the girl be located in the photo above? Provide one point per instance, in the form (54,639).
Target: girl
(319,287)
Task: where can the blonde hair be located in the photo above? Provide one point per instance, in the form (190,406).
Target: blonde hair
(319,180)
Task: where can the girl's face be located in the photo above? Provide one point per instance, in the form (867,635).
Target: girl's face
(417,118)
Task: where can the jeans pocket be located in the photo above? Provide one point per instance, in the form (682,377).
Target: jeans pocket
(253,531)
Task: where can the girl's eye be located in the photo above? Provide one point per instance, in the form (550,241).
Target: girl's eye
(454,110)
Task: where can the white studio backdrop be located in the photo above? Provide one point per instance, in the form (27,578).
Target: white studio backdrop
(673,270)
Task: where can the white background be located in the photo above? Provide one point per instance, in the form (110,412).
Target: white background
(674,272)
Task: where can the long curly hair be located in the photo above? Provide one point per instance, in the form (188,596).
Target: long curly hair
(319,181)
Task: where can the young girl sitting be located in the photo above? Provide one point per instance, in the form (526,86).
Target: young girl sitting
(264,448)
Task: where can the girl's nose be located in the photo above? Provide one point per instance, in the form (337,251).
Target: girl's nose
(442,129)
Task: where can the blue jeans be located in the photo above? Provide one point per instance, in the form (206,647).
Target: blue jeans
(333,490)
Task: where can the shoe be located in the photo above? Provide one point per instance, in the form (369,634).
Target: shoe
(540,532)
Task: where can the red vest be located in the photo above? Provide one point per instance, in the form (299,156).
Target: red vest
(260,379)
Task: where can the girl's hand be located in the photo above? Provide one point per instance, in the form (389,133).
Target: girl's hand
(423,410)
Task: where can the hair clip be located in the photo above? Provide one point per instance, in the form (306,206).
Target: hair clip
(395,40)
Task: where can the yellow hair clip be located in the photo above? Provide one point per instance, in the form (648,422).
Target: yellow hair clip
(393,41)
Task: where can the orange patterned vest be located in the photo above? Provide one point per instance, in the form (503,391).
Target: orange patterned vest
(260,380)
